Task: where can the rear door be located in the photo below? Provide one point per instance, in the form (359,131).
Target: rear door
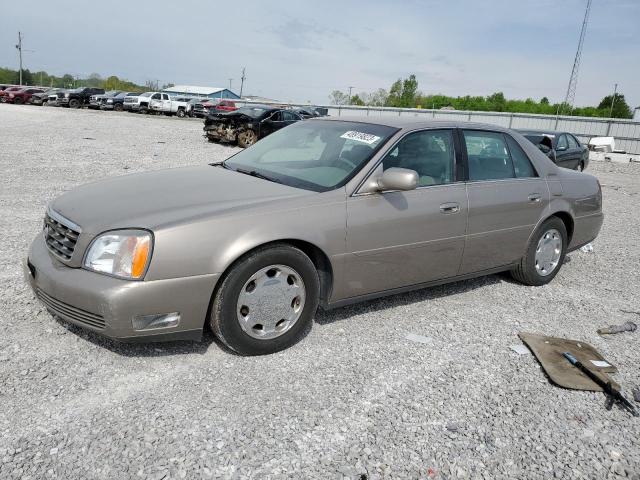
(397,239)
(506,200)
(565,155)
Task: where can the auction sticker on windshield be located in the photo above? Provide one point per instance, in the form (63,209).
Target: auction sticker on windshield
(360,137)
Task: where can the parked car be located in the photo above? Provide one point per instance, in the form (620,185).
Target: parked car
(247,125)
(562,148)
(116,102)
(140,103)
(43,97)
(96,100)
(170,106)
(54,98)
(203,108)
(8,90)
(20,96)
(78,97)
(326,211)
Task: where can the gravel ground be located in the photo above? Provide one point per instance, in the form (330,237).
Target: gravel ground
(356,398)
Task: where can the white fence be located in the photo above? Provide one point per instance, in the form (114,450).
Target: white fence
(626,132)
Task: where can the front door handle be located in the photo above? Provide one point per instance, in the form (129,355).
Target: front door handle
(535,197)
(451,207)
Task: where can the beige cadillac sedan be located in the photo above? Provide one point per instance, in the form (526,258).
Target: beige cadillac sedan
(324,212)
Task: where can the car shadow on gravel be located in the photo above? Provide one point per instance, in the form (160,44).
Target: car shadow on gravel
(327,317)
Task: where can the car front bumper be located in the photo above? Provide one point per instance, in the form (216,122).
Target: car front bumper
(108,305)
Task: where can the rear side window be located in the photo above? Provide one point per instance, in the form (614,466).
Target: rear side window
(573,143)
(488,156)
(521,163)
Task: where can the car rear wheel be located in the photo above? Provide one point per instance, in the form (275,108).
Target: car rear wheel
(580,167)
(266,302)
(118,107)
(247,138)
(545,254)
(17,101)
(180,113)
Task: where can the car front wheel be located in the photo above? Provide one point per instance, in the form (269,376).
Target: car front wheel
(266,302)
(545,254)
(73,103)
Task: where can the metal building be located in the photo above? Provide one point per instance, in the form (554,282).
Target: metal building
(196,91)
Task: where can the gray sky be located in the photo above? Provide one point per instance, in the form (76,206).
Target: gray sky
(302,50)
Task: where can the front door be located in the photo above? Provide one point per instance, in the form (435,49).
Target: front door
(397,239)
(567,156)
(506,200)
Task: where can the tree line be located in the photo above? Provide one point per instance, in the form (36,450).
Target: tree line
(43,79)
(404,93)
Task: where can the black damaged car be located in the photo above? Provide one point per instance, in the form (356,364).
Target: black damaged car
(248,124)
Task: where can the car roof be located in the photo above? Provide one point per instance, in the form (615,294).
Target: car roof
(413,123)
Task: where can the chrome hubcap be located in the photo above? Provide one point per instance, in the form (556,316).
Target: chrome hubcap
(271,302)
(548,252)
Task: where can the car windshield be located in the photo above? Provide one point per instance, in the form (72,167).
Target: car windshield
(536,138)
(313,155)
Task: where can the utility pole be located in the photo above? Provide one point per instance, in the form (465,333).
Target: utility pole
(350,88)
(242,81)
(230,84)
(573,80)
(19,47)
(613,99)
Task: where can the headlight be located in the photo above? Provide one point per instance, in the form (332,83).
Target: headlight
(121,253)
(66,95)
(109,101)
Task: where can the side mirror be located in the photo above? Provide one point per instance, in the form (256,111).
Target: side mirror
(401,179)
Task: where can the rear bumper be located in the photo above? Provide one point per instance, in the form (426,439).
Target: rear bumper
(107,305)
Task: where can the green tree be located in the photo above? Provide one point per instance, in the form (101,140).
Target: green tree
(356,100)
(395,93)
(620,107)
(409,92)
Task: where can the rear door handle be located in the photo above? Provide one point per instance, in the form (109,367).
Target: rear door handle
(451,207)
(535,197)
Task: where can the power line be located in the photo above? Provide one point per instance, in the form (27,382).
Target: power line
(573,80)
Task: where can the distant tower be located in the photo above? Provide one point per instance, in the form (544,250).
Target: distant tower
(573,81)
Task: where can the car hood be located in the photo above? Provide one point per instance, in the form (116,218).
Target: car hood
(165,198)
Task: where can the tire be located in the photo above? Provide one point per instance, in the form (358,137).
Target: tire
(541,270)
(118,107)
(143,110)
(580,166)
(180,113)
(18,101)
(231,320)
(74,103)
(247,138)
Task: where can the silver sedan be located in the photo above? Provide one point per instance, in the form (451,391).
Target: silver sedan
(324,212)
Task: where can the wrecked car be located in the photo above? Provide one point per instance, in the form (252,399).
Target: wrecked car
(564,149)
(247,125)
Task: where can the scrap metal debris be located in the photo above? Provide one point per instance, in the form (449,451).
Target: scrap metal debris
(418,338)
(611,329)
(588,248)
(636,394)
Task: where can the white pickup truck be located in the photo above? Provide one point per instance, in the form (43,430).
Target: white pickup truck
(170,106)
(140,103)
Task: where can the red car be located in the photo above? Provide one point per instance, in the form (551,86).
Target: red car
(225,106)
(203,108)
(20,96)
(8,90)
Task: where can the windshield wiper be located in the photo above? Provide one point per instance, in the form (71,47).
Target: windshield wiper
(253,173)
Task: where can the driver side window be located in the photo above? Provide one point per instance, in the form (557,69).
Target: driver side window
(430,153)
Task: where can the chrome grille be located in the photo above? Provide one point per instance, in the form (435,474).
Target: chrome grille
(60,238)
(70,312)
